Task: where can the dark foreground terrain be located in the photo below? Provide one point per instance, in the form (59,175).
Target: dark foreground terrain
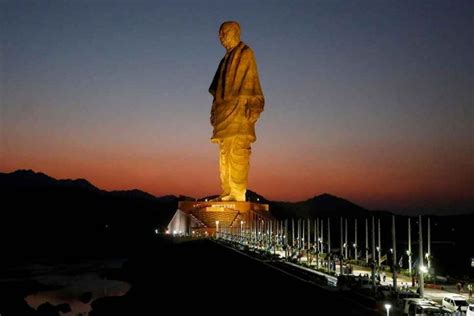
(187,276)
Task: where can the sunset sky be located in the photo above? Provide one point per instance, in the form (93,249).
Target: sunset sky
(369,101)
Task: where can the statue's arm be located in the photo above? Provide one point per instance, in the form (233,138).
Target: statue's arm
(212,91)
(256,103)
(255,100)
(254,107)
(213,112)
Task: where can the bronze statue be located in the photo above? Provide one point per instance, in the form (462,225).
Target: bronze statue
(236,107)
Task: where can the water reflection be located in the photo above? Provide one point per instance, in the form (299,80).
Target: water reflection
(74,287)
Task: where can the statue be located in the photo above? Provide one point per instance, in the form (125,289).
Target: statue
(236,107)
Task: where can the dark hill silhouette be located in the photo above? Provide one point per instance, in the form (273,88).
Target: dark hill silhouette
(324,205)
(134,194)
(41,214)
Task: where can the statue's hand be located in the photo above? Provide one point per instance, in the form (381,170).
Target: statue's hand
(254,115)
(251,115)
(252,110)
(248,112)
(213,118)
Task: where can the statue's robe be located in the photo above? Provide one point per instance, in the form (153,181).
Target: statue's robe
(235,88)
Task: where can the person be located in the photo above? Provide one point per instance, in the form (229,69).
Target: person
(469,288)
(237,103)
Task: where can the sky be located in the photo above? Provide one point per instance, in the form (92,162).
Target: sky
(371,101)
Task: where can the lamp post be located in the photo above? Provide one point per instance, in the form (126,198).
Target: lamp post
(421,266)
(378,252)
(387,307)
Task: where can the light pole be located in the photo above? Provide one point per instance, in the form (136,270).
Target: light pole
(355,239)
(387,307)
(409,247)
(421,266)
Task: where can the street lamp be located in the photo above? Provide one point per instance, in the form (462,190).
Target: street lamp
(387,307)
(423,269)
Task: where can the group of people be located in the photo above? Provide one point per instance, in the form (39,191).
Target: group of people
(460,287)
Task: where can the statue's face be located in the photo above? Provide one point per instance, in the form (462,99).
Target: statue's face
(228,37)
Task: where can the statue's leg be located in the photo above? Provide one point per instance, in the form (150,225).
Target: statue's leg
(224,150)
(239,166)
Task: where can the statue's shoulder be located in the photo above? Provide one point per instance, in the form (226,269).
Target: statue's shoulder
(246,50)
(244,47)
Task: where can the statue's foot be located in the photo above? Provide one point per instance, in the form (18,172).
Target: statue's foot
(227,197)
(232,197)
(240,197)
(222,197)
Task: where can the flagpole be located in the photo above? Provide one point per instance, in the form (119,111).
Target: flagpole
(329,235)
(409,246)
(380,241)
(394,241)
(420,261)
(366,241)
(342,239)
(373,252)
(429,244)
(322,235)
(345,251)
(355,239)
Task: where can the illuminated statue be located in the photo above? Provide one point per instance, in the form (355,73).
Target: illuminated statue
(236,107)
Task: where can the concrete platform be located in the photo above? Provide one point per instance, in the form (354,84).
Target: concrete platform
(193,217)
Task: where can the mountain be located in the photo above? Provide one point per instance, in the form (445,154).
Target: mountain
(324,205)
(41,213)
(33,182)
(134,194)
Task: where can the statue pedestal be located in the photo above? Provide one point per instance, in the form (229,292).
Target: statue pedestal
(209,217)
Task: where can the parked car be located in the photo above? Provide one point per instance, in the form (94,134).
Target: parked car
(408,302)
(455,303)
(470,310)
(421,309)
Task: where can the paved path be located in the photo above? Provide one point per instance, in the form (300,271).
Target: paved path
(434,294)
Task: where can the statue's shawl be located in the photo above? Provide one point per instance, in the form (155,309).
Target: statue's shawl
(237,76)
(236,88)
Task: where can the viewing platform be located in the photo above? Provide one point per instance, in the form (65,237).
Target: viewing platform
(208,217)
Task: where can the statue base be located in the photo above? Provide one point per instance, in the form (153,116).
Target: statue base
(207,218)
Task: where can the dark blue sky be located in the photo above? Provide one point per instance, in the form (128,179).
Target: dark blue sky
(369,100)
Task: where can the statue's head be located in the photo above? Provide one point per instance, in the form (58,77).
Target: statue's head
(229,34)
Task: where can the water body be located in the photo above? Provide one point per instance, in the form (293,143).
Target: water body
(45,280)
(73,287)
